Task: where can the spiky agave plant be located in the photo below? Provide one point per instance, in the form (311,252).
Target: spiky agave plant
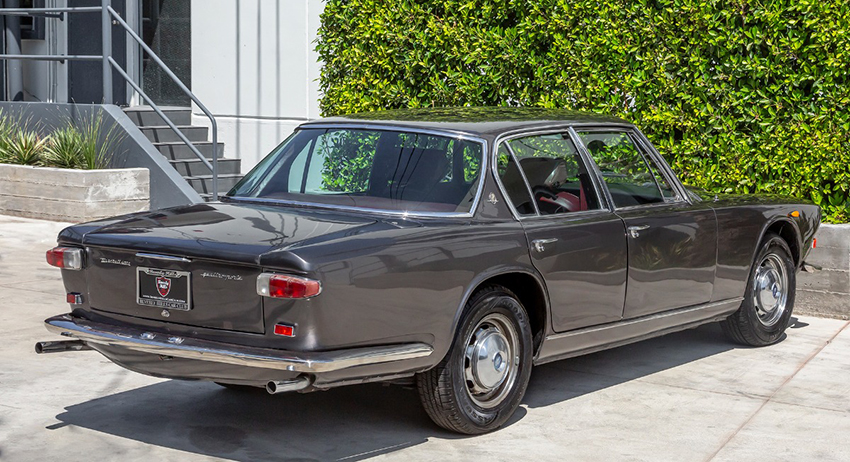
(98,142)
(65,148)
(7,129)
(25,147)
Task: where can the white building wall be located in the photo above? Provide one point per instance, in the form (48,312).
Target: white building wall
(255,68)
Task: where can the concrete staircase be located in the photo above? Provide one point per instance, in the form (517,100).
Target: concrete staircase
(179,155)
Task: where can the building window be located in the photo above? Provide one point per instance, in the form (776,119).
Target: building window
(32,27)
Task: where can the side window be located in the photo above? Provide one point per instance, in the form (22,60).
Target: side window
(666,190)
(556,173)
(513,183)
(625,170)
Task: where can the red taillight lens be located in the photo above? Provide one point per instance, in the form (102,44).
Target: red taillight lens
(65,258)
(280,286)
(285,330)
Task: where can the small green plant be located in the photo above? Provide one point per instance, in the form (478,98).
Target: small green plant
(24,147)
(6,129)
(65,149)
(96,142)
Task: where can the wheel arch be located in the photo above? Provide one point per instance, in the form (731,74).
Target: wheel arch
(788,231)
(528,286)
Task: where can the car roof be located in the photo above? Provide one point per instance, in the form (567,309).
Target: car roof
(489,121)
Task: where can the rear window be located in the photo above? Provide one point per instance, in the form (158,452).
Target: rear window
(377,169)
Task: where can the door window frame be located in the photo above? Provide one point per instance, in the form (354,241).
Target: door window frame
(603,198)
(646,154)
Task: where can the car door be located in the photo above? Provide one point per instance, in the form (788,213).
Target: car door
(672,243)
(576,243)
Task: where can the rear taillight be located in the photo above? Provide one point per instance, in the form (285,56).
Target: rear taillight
(280,286)
(65,258)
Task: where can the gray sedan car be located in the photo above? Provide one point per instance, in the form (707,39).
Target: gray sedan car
(452,249)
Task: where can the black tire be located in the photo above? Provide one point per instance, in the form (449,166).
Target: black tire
(445,391)
(746,326)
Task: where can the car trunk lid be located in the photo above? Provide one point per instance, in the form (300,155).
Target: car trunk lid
(198,265)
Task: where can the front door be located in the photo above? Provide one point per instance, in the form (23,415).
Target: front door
(576,243)
(671,242)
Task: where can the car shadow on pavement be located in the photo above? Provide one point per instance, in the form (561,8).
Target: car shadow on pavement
(355,422)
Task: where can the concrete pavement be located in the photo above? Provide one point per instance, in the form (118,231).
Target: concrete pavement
(690,396)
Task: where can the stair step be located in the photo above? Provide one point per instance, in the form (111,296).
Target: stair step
(203,183)
(160,133)
(144,116)
(178,150)
(194,167)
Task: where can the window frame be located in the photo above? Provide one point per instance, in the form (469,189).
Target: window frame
(646,154)
(473,209)
(605,204)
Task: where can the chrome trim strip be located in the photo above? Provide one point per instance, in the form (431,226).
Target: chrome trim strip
(651,317)
(330,207)
(524,178)
(206,350)
(155,256)
(662,162)
(390,128)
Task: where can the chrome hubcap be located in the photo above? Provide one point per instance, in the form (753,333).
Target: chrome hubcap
(491,360)
(770,291)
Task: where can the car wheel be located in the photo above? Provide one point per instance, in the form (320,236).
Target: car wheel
(766,310)
(479,384)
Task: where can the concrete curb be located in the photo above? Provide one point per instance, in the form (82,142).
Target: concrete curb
(826,292)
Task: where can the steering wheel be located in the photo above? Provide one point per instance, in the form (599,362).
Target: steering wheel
(545,195)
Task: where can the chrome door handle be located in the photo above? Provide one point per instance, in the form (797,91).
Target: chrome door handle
(539,243)
(634,230)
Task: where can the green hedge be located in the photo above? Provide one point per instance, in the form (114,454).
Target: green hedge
(740,96)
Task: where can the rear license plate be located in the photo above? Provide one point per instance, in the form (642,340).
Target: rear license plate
(164,288)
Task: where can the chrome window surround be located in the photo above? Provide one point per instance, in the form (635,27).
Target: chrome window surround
(641,144)
(604,200)
(389,128)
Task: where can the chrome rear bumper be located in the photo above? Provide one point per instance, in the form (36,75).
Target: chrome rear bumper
(205,350)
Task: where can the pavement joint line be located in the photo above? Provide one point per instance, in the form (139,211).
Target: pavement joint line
(810,407)
(770,398)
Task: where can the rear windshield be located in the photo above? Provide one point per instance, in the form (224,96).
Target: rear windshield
(376,169)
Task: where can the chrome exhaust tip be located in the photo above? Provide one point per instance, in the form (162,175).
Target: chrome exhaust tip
(60,346)
(300,383)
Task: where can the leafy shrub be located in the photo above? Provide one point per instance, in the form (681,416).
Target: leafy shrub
(740,96)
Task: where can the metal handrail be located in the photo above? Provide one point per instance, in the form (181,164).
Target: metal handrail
(168,72)
(107,14)
(31,11)
(53,57)
(168,121)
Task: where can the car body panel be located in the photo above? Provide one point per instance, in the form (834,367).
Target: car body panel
(672,261)
(585,268)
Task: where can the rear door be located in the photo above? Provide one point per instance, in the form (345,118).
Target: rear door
(576,243)
(672,243)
